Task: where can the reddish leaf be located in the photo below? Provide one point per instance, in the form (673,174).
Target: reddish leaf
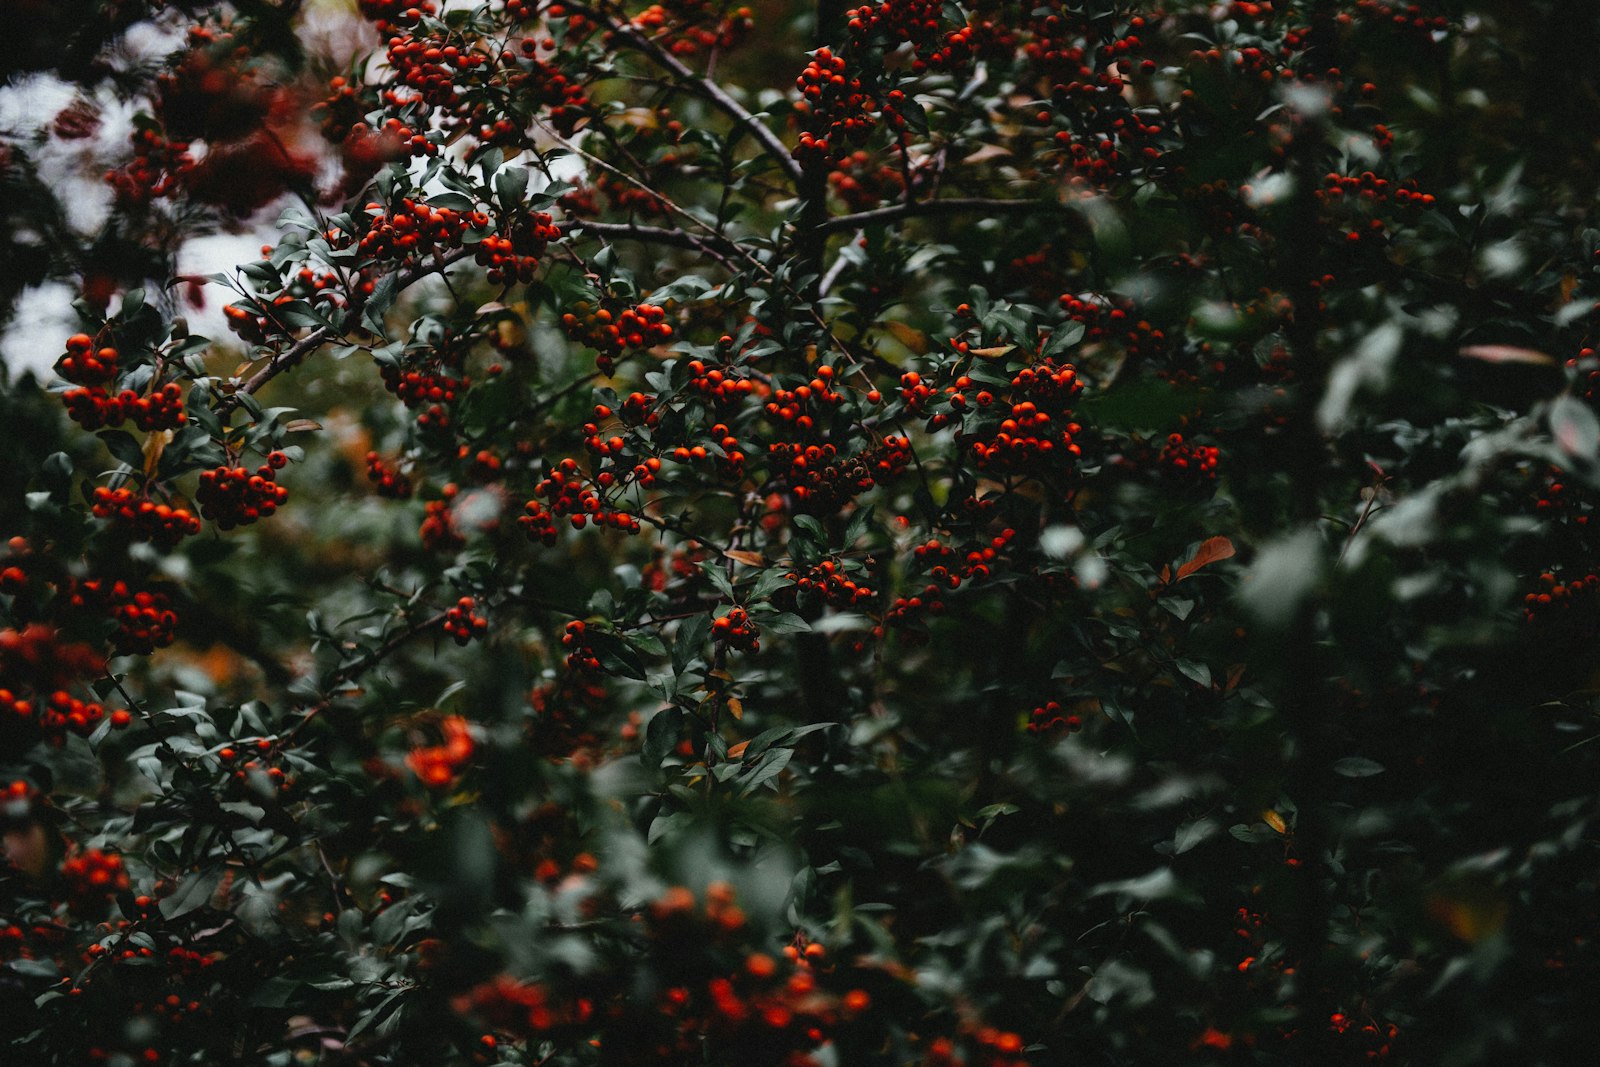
(1211,550)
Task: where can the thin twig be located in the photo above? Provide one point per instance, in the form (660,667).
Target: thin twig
(947,206)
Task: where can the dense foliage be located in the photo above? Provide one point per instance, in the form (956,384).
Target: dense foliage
(924,533)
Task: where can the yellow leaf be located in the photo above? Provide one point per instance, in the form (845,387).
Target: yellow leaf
(749,559)
(1470,913)
(913,339)
(154,445)
(736,707)
(1274,820)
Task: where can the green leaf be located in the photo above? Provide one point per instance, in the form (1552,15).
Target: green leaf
(195,891)
(766,769)
(784,622)
(688,641)
(510,186)
(661,736)
(123,447)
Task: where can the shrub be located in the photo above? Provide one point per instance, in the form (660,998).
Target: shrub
(917,534)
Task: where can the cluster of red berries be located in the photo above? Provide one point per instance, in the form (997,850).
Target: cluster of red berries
(1557,599)
(255,768)
(898,20)
(568,493)
(1103,157)
(1036,431)
(462,622)
(415,230)
(564,101)
(429,68)
(521,1007)
(581,657)
(730,460)
(57,713)
(835,110)
(37,656)
(737,630)
(834,584)
(438,531)
(947,569)
(1558,497)
(629,198)
(959,48)
(93,408)
(1189,461)
(1047,719)
(538,523)
(92,877)
(388,480)
(141,519)
(145,619)
(84,364)
(1113,319)
(1369,192)
(682,564)
(317,287)
(990,1047)
(800,406)
(366,149)
(1377,1039)
(431,391)
(764,1008)
(152,173)
(638,327)
(636,411)
(386,14)
(724,387)
(437,766)
(1409,17)
(691,27)
(233,496)
(513,255)
(822,483)
(862,184)
(252,326)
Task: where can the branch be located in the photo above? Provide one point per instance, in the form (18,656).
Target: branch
(702,85)
(948,206)
(323,334)
(629,231)
(360,665)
